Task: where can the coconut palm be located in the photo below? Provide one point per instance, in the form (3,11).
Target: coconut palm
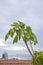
(18,31)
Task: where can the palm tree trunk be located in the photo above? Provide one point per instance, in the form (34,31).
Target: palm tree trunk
(31,47)
(31,53)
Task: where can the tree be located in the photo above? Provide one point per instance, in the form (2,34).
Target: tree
(20,30)
(39,57)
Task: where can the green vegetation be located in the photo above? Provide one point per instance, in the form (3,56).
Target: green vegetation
(20,30)
(39,58)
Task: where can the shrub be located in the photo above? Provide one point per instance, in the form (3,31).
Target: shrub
(39,58)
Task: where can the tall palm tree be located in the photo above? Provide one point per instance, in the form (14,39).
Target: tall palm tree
(20,30)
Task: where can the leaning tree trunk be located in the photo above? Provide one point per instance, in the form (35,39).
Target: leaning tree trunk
(31,47)
(31,54)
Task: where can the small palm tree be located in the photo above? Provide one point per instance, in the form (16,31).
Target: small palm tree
(20,30)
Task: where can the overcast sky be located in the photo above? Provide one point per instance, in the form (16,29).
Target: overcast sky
(28,11)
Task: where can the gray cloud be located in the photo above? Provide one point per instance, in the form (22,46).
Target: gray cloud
(30,11)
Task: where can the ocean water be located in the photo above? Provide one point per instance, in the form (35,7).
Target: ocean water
(20,57)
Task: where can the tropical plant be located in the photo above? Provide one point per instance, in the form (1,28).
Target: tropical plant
(20,30)
(39,57)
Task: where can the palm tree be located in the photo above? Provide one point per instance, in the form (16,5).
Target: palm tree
(20,30)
